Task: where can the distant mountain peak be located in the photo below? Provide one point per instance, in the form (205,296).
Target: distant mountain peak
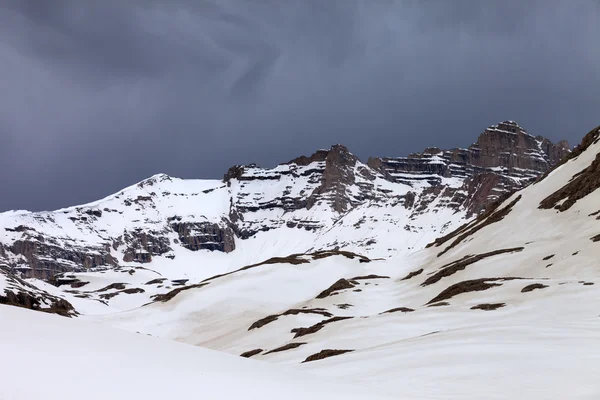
(416,198)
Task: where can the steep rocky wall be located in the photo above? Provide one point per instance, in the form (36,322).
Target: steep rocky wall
(504,158)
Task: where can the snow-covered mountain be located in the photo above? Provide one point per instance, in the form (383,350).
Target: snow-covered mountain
(425,276)
(329,200)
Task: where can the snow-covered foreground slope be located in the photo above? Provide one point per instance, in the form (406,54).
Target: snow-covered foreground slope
(506,307)
(87,361)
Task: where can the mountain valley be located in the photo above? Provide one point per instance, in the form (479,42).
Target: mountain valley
(463,273)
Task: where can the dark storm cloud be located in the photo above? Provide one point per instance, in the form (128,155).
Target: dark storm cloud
(99,94)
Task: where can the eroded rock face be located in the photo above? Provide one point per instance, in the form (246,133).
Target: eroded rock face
(204,236)
(337,176)
(141,246)
(505,158)
(44,259)
(19,293)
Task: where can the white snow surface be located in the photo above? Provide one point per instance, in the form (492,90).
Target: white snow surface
(539,344)
(87,361)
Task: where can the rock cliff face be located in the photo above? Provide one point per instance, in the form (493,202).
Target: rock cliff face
(204,236)
(504,158)
(15,291)
(380,208)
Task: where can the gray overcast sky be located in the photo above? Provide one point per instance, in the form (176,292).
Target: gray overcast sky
(96,95)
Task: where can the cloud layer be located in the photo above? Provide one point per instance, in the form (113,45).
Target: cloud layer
(99,95)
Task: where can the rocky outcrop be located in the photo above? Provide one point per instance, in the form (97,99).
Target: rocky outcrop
(337,176)
(582,184)
(319,156)
(505,158)
(204,236)
(141,246)
(44,259)
(19,293)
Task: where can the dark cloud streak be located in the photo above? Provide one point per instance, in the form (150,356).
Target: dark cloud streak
(98,95)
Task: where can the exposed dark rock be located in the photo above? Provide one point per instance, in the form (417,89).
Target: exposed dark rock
(264,321)
(591,138)
(234,172)
(412,274)
(299,332)
(473,285)
(532,287)
(338,174)
(205,236)
(398,309)
(325,354)
(141,246)
(548,257)
(336,287)
(20,293)
(582,184)
(319,156)
(251,353)
(502,152)
(168,296)
(116,286)
(108,296)
(288,346)
(439,304)
(293,259)
(481,222)
(27,300)
(369,277)
(60,280)
(329,253)
(459,265)
(95,213)
(488,306)
(294,311)
(43,259)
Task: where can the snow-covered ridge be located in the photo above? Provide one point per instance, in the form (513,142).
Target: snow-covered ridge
(330,199)
(511,291)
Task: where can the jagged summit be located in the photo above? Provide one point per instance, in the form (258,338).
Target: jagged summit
(503,159)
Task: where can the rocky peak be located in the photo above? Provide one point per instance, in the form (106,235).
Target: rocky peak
(503,159)
(337,176)
(234,172)
(318,156)
(509,145)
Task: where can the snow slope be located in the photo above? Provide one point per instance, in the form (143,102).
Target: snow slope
(509,311)
(505,306)
(97,362)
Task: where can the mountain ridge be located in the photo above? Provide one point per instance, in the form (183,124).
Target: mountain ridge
(329,188)
(440,305)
